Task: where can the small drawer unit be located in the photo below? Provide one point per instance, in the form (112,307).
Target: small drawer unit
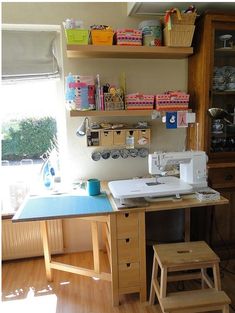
(128,250)
(129,275)
(127,225)
(144,136)
(106,138)
(130,262)
(119,137)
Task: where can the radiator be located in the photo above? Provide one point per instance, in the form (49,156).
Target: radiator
(23,240)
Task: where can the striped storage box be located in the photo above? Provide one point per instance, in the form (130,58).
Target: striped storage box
(129,37)
(138,101)
(172,101)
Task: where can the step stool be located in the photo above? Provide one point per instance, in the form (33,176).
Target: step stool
(187,261)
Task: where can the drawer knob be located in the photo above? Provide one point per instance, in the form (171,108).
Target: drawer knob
(228,177)
(127,240)
(126,214)
(128,264)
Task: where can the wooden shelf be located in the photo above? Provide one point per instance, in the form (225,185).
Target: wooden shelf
(225,51)
(223,93)
(126,113)
(142,52)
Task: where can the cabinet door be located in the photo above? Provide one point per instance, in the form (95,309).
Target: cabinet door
(223,223)
(222,90)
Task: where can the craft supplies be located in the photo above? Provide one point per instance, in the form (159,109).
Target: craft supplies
(137,101)
(129,37)
(151,32)
(179,27)
(80,92)
(207,194)
(75,33)
(101,35)
(172,101)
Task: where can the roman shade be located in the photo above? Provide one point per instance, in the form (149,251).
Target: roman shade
(29,54)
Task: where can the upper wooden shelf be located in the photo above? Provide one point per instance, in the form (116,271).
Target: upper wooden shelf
(125,113)
(142,52)
(225,51)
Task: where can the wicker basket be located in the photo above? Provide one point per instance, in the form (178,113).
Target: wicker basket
(113,102)
(186,18)
(179,36)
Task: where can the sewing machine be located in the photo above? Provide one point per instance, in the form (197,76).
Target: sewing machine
(193,175)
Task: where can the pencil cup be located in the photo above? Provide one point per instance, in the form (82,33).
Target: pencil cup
(93,187)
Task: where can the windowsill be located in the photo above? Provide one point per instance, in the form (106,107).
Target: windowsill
(7,216)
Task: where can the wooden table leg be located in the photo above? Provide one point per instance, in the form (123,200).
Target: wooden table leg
(95,245)
(46,249)
(187,224)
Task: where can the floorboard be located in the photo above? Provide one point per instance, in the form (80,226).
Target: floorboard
(25,289)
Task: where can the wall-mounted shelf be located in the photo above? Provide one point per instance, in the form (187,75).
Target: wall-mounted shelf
(126,113)
(142,52)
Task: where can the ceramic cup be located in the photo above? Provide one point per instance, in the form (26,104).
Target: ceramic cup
(217,125)
(93,187)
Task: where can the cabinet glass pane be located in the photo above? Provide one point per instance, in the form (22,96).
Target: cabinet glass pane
(222,107)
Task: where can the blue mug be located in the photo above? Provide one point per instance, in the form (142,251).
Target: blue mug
(93,187)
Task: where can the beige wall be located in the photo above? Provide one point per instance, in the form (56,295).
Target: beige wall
(150,76)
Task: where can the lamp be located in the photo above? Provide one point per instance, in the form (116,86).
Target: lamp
(82,129)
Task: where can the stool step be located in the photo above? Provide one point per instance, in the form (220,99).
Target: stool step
(203,298)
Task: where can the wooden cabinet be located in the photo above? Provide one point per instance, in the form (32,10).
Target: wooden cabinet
(211,85)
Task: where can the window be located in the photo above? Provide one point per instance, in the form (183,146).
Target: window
(31,122)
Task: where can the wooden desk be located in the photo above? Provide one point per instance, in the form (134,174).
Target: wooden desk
(124,236)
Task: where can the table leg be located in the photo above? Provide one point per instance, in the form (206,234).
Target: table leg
(95,245)
(46,249)
(187,224)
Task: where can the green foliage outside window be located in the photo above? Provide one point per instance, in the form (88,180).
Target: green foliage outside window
(27,138)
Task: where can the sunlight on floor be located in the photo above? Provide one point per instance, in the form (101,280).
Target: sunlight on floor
(31,303)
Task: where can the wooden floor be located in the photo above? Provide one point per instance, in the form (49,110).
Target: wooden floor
(25,289)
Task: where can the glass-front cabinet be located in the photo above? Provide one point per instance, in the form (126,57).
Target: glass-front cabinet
(211,85)
(222,104)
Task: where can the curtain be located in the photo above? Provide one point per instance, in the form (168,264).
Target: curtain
(29,54)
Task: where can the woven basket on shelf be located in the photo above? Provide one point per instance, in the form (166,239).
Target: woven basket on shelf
(179,35)
(186,18)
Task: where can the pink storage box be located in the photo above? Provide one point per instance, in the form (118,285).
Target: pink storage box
(172,101)
(136,101)
(129,37)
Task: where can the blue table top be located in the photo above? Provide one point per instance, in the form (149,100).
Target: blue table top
(37,208)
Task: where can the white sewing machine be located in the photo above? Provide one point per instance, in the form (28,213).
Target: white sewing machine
(193,175)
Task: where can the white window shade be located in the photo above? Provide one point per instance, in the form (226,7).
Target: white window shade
(29,54)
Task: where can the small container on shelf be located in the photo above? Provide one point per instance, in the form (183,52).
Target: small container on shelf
(77,36)
(207,194)
(137,101)
(179,27)
(103,37)
(75,33)
(129,37)
(114,101)
(179,35)
(172,101)
(152,32)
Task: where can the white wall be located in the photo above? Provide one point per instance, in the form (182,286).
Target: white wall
(150,76)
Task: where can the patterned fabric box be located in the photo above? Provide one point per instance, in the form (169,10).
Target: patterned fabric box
(172,101)
(138,101)
(129,37)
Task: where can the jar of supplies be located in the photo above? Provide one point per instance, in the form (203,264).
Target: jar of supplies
(152,32)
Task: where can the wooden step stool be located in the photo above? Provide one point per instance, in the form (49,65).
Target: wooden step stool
(177,262)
